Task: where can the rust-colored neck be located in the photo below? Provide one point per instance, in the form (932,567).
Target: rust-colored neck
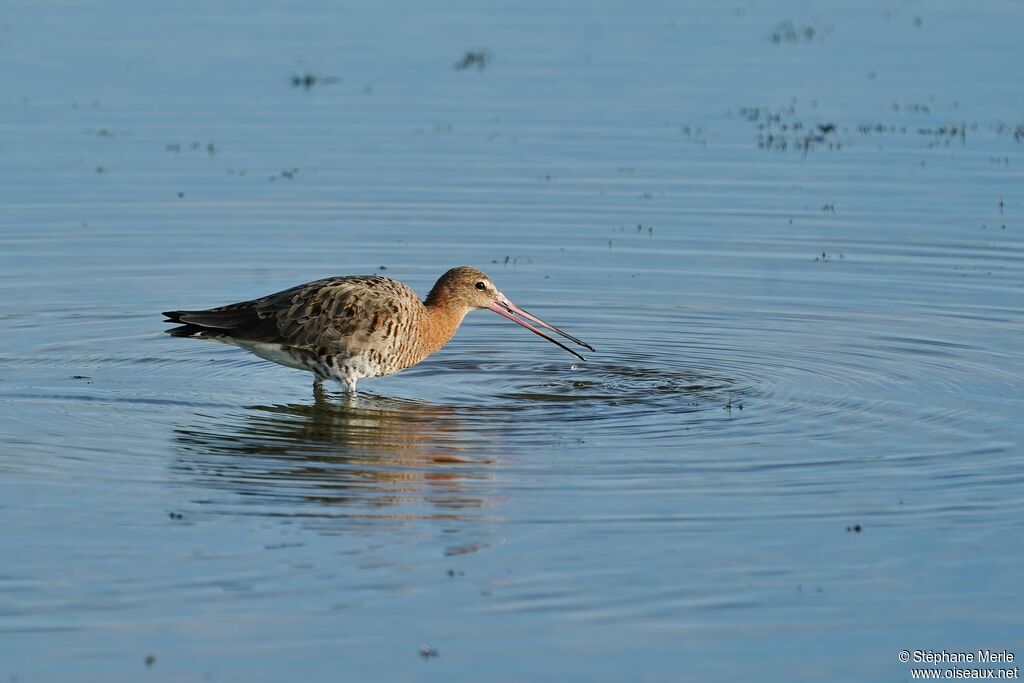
(440,324)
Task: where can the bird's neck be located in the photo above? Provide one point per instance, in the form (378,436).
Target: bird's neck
(440,324)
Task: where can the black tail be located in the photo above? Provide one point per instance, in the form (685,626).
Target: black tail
(190,331)
(184,329)
(214,322)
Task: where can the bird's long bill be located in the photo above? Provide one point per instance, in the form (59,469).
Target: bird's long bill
(507,309)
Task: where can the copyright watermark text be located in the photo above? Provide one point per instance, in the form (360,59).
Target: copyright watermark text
(946,664)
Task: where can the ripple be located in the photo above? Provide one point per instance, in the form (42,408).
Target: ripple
(788,344)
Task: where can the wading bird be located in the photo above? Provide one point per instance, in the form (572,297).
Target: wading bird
(350,327)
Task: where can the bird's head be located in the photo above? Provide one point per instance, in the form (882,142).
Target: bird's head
(466,288)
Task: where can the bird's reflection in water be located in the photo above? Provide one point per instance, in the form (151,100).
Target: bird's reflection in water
(364,459)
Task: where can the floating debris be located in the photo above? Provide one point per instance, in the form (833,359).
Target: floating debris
(288,173)
(1016,130)
(912,107)
(943,135)
(781,130)
(481,59)
(210,147)
(307,80)
(830,257)
(788,32)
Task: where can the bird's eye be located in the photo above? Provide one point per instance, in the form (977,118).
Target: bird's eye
(481,286)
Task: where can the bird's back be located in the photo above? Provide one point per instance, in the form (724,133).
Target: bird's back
(368,317)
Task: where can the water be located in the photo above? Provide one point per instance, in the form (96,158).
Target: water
(797,248)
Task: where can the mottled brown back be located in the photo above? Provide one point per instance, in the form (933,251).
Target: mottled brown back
(367,315)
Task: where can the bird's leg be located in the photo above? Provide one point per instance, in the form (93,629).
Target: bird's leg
(319,375)
(318,385)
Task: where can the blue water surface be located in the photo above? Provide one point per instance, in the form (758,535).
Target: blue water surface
(793,231)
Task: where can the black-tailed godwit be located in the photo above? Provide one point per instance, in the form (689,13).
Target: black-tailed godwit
(350,327)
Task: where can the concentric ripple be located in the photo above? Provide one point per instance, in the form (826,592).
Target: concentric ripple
(803,417)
